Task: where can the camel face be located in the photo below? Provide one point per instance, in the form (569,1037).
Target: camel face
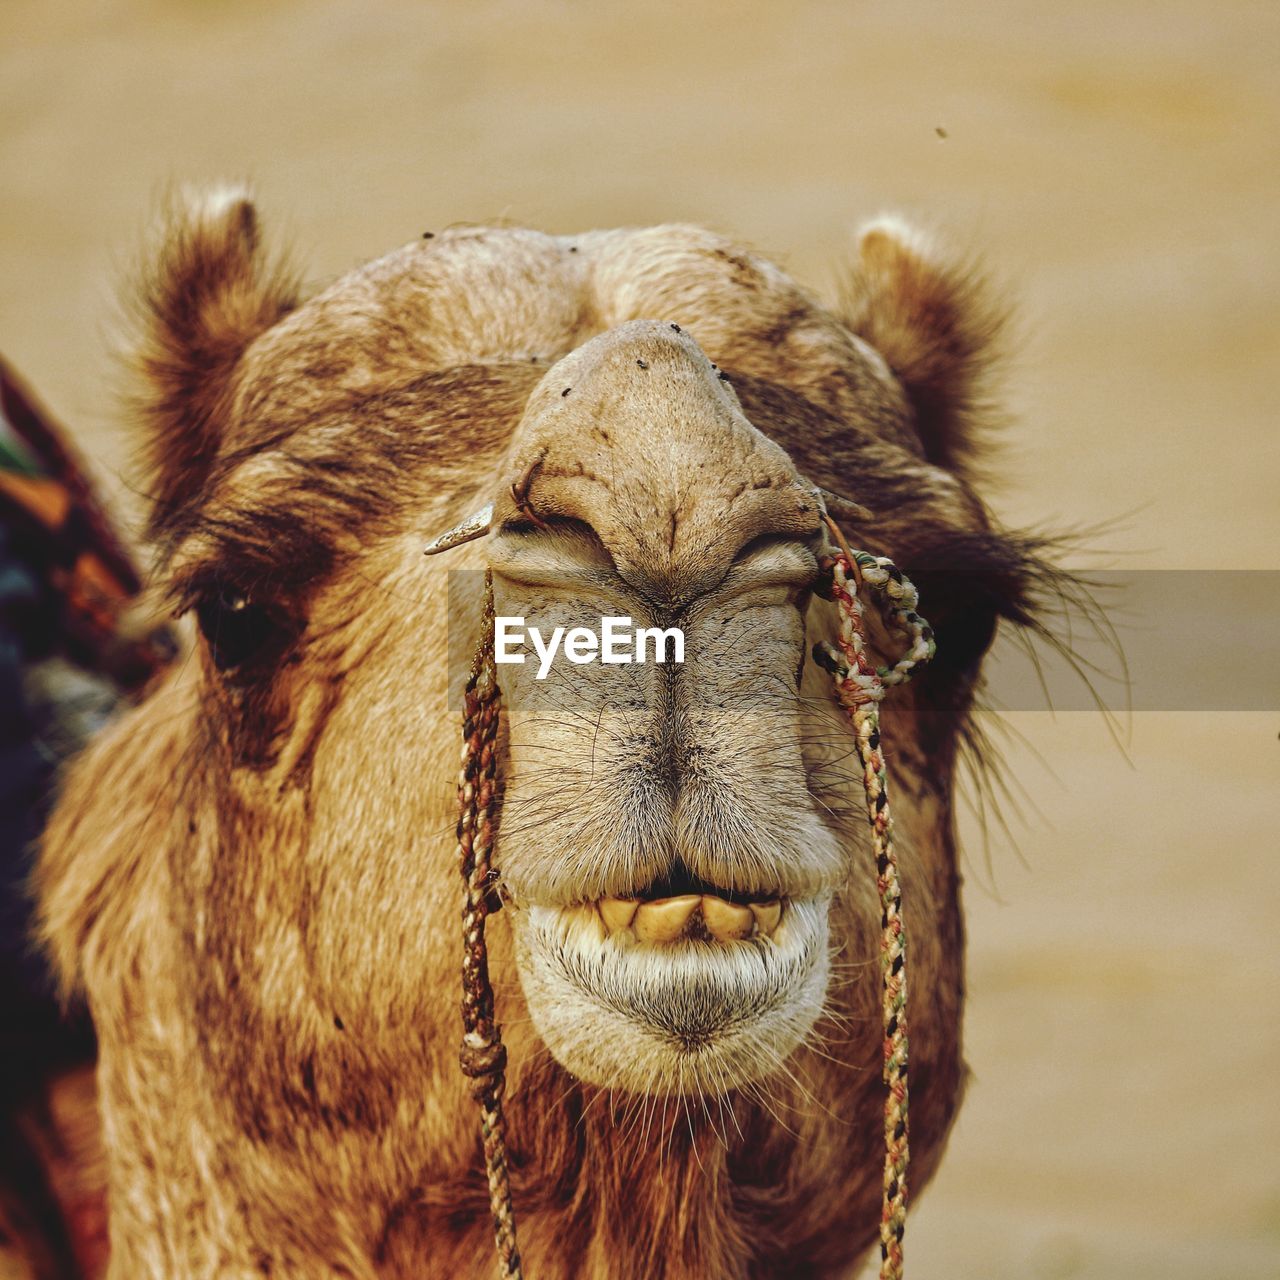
(253,874)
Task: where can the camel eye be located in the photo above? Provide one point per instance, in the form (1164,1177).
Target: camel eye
(235,628)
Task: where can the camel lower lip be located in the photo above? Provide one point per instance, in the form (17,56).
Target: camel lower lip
(607,1002)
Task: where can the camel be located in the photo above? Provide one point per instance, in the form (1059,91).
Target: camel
(250,876)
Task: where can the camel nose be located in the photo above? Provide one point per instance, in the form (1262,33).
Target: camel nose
(639,436)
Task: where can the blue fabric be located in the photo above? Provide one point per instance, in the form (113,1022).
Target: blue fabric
(27,772)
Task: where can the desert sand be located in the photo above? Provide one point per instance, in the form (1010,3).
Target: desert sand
(1118,165)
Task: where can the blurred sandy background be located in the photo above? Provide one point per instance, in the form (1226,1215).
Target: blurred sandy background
(1119,164)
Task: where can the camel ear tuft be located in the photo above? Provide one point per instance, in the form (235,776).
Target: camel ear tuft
(937,327)
(206,295)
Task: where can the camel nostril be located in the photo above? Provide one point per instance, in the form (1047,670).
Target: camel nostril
(522,526)
(762,542)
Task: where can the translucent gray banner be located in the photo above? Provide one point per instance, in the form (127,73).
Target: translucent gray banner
(1159,640)
(1171,640)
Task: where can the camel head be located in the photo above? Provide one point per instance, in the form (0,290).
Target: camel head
(261,856)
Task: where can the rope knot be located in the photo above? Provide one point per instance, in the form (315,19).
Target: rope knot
(485,1062)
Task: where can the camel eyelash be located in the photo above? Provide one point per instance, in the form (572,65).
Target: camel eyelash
(246,619)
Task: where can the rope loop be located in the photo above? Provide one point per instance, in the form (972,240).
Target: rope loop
(858,680)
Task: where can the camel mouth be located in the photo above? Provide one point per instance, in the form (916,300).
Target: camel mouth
(664,920)
(681,905)
(678,993)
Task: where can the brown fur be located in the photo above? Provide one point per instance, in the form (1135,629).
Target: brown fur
(937,326)
(208,293)
(251,875)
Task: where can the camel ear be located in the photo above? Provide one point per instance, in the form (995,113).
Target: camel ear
(936,326)
(207,294)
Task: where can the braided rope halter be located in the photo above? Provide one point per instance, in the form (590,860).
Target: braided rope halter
(860,687)
(483,1055)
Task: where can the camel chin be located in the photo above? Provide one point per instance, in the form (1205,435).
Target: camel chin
(686,994)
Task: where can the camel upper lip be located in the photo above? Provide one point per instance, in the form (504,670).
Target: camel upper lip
(678,880)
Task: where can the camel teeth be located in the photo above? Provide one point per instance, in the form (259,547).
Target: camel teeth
(618,913)
(767,915)
(593,922)
(667,919)
(727,921)
(582,918)
(664,920)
